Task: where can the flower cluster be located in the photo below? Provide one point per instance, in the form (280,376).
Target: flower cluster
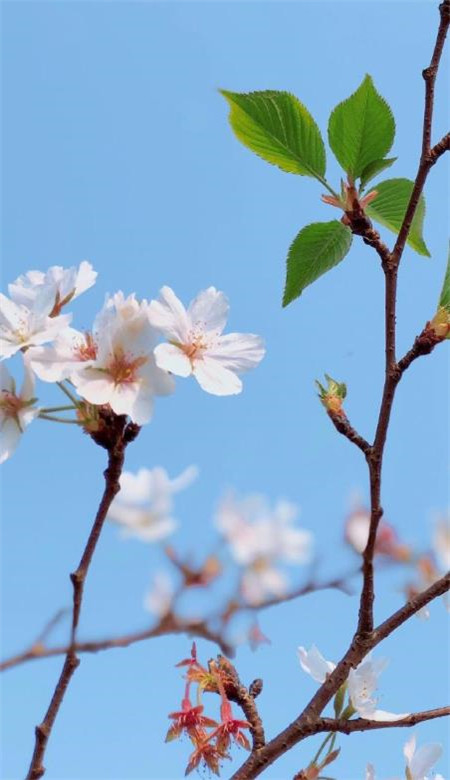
(118,364)
(261,538)
(211,739)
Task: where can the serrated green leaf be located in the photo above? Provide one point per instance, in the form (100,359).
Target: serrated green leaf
(278,128)
(315,250)
(444,300)
(361,129)
(373,169)
(389,208)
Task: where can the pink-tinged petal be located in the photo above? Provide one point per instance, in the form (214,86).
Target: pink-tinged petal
(94,385)
(186,478)
(215,379)
(136,488)
(154,379)
(6,380)
(423,759)
(171,358)
(141,411)
(169,316)
(9,438)
(409,748)
(238,351)
(123,399)
(85,278)
(27,391)
(12,315)
(209,310)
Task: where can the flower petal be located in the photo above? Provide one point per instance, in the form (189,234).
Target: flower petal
(238,351)
(171,358)
(215,379)
(169,316)
(423,759)
(209,310)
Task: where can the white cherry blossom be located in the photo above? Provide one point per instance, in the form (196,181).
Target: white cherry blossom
(71,351)
(420,761)
(260,539)
(314,664)
(16,409)
(362,684)
(144,506)
(159,598)
(63,284)
(124,373)
(196,344)
(22,326)
(441,542)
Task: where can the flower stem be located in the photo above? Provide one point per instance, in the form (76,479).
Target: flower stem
(67,408)
(52,418)
(67,392)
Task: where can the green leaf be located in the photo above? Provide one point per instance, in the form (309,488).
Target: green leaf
(389,208)
(373,169)
(361,129)
(444,300)
(314,251)
(278,128)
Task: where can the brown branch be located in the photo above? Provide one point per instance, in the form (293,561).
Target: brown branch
(306,723)
(343,426)
(361,724)
(245,698)
(114,436)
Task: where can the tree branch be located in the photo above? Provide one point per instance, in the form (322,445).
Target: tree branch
(361,724)
(114,436)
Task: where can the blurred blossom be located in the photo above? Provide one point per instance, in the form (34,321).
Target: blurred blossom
(144,505)
(357,533)
(62,284)
(441,542)
(124,373)
(159,598)
(261,537)
(16,409)
(314,664)
(196,344)
(420,761)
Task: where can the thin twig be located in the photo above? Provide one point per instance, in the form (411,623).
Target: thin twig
(114,438)
(361,724)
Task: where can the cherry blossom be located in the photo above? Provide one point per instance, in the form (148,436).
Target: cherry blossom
(196,344)
(16,409)
(159,598)
(63,284)
(260,537)
(22,326)
(362,684)
(124,373)
(314,664)
(144,505)
(357,533)
(71,351)
(420,761)
(441,542)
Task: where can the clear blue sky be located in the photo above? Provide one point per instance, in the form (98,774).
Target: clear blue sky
(116,149)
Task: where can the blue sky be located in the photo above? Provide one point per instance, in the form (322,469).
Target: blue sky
(116,149)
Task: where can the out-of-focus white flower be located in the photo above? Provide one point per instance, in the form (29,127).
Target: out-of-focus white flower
(370,772)
(71,351)
(441,542)
(357,534)
(313,663)
(23,326)
(259,538)
(63,284)
(419,762)
(362,684)
(196,345)
(144,505)
(16,409)
(160,596)
(124,373)
(254,530)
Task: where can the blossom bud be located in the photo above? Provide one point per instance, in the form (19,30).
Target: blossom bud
(332,396)
(440,324)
